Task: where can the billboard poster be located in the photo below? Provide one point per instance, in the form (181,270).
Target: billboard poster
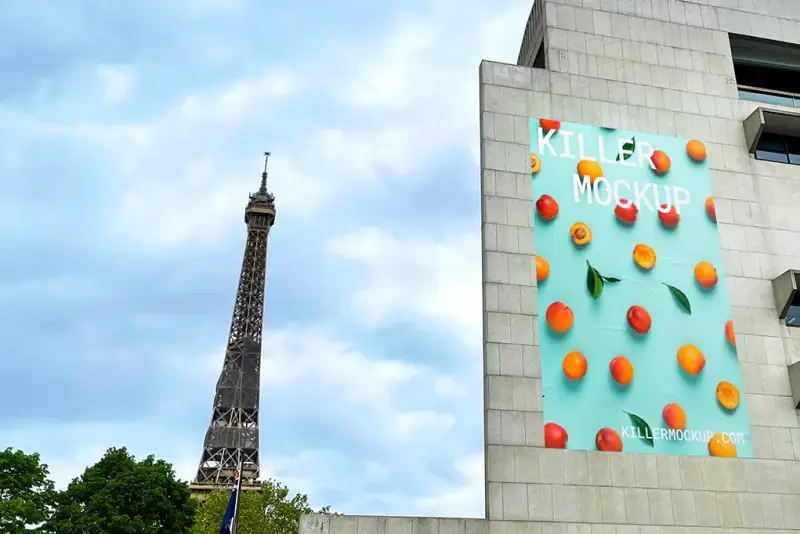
(637,346)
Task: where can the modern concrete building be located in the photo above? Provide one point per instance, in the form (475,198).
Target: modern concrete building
(719,70)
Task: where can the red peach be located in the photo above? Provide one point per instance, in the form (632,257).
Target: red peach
(549,124)
(639,319)
(547,207)
(669,218)
(607,440)
(555,437)
(627,214)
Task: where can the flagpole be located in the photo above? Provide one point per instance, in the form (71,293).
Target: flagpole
(238,496)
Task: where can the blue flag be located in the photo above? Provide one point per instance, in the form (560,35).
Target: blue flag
(229,519)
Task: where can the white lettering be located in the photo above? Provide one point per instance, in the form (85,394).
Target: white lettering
(566,136)
(645,153)
(601,148)
(639,197)
(654,197)
(663,208)
(669,434)
(580,186)
(597,183)
(682,198)
(581,152)
(546,141)
(623,203)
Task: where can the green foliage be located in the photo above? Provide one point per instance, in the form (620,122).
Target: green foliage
(119,495)
(26,492)
(266,511)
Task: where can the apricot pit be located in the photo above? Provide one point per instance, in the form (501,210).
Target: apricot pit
(581,234)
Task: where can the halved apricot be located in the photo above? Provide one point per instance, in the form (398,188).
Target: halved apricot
(581,235)
(721,445)
(536,163)
(644,256)
(728,395)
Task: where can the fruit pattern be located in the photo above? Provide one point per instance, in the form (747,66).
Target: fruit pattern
(560,318)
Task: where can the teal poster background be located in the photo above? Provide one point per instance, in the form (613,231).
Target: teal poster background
(581,405)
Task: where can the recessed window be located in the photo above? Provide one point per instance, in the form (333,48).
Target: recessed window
(778,148)
(766,71)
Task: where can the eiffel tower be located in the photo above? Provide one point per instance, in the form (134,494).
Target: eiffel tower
(231,442)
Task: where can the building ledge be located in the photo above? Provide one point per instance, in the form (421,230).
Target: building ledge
(773,121)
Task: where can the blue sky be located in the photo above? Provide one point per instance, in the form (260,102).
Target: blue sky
(130,135)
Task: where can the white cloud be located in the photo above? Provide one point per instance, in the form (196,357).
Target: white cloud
(117,83)
(435,283)
(463,500)
(405,96)
(68,448)
(360,391)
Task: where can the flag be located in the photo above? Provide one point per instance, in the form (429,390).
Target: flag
(229,519)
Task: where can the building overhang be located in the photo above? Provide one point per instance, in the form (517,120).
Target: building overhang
(774,121)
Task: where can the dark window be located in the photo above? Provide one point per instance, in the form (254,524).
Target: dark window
(772,148)
(539,62)
(766,71)
(778,148)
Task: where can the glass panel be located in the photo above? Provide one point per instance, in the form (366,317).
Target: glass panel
(793,145)
(767,99)
(772,148)
(777,157)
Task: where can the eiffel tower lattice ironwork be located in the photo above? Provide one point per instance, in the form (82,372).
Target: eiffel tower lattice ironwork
(232,438)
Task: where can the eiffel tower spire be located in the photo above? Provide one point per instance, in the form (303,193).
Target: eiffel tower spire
(232,438)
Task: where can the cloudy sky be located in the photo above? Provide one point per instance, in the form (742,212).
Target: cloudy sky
(130,135)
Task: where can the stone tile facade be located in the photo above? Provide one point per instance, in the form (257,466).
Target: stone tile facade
(661,66)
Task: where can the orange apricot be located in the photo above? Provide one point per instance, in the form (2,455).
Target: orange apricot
(711,210)
(559,317)
(696,150)
(661,162)
(706,274)
(639,319)
(536,163)
(542,269)
(674,416)
(581,235)
(607,440)
(728,395)
(591,169)
(721,445)
(555,436)
(621,370)
(574,365)
(670,217)
(547,207)
(729,335)
(691,359)
(549,124)
(644,256)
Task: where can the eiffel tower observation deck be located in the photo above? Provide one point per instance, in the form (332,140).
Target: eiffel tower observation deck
(232,439)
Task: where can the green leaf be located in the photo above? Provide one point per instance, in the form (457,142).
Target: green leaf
(594,282)
(680,298)
(611,279)
(627,150)
(644,430)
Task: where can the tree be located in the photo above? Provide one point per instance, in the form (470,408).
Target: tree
(265,511)
(119,495)
(26,492)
